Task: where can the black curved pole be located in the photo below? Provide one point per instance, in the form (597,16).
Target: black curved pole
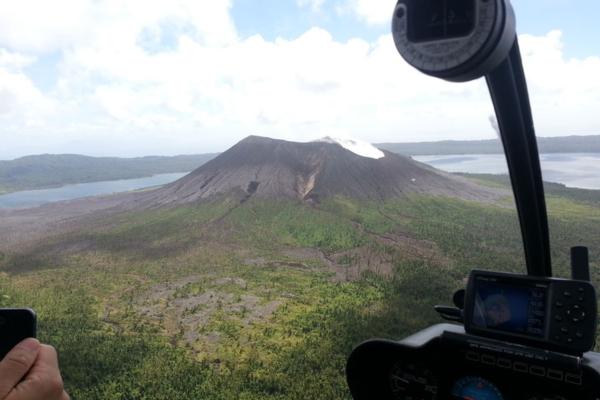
(508,89)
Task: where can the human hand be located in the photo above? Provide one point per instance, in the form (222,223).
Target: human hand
(30,372)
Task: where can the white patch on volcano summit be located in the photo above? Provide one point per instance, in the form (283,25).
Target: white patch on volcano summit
(358,147)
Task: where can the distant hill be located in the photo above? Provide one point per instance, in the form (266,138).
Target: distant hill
(562,144)
(49,170)
(277,169)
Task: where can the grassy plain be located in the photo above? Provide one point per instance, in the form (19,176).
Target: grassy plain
(262,300)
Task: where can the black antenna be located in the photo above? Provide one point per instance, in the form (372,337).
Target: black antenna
(580,264)
(508,89)
(483,42)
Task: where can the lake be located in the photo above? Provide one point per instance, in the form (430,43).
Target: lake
(574,170)
(580,170)
(32,198)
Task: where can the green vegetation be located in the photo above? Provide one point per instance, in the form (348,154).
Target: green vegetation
(563,144)
(551,189)
(261,300)
(45,171)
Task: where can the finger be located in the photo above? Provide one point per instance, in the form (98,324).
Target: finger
(43,380)
(65,396)
(17,363)
(47,360)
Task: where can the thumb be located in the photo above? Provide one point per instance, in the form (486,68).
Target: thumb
(16,364)
(43,381)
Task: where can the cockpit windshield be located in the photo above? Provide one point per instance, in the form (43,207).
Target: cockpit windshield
(222,199)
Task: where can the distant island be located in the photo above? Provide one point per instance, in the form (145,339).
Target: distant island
(52,170)
(562,144)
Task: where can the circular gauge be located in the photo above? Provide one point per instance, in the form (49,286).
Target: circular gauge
(475,388)
(456,40)
(412,381)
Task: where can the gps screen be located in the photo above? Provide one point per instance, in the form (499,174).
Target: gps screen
(516,309)
(440,19)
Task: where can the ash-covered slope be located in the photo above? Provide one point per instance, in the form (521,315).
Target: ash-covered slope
(269,168)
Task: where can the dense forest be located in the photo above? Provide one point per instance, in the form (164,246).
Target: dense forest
(265,299)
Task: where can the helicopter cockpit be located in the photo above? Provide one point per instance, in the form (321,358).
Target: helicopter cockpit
(513,337)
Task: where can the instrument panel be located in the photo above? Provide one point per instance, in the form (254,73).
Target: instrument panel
(408,378)
(444,363)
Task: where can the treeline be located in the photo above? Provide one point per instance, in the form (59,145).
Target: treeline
(563,144)
(50,170)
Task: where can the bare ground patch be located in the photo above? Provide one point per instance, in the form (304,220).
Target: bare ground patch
(187,309)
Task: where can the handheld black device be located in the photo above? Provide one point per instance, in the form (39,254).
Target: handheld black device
(15,326)
(549,313)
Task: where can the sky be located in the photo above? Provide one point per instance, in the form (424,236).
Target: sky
(146,77)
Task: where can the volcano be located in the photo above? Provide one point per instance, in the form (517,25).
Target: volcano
(268,168)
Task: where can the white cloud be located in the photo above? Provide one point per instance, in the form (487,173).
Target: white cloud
(315,5)
(373,12)
(14,61)
(174,77)
(22,105)
(565,92)
(46,26)
(41,26)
